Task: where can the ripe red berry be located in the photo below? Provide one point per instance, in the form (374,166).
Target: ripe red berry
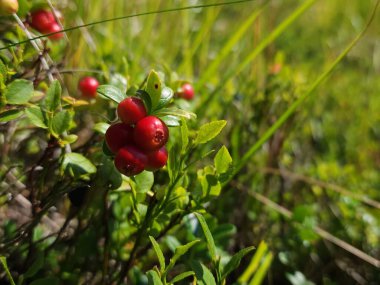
(8,7)
(187,91)
(157,159)
(88,85)
(42,20)
(150,133)
(131,110)
(118,135)
(55,27)
(130,160)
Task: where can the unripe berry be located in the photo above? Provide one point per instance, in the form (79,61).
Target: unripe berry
(157,159)
(88,85)
(8,7)
(42,20)
(187,91)
(131,110)
(118,135)
(150,133)
(130,160)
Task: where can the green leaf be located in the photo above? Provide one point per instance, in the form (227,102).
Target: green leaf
(36,117)
(154,87)
(4,263)
(160,255)
(46,281)
(143,95)
(174,111)
(203,274)
(77,165)
(111,93)
(171,121)
(222,160)
(153,278)
(61,122)
(208,235)
(209,131)
(235,261)
(144,181)
(181,250)
(19,92)
(182,276)
(10,115)
(101,127)
(53,96)
(36,266)
(166,96)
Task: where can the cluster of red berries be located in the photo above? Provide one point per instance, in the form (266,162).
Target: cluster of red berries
(87,86)
(139,140)
(44,22)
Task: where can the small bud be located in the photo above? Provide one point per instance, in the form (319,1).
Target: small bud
(8,7)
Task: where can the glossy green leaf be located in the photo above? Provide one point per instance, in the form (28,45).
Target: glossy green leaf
(160,255)
(110,92)
(143,95)
(61,122)
(208,235)
(203,274)
(37,117)
(235,261)
(174,111)
(153,88)
(154,278)
(77,165)
(182,276)
(171,121)
(209,131)
(101,127)
(166,96)
(53,96)
(19,92)
(144,181)
(10,115)
(222,160)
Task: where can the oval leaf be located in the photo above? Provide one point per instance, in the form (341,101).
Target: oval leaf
(77,165)
(19,92)
(209,131)
(222,160)
(53,96)
(10,115)
(154,87)
(61,122)
(153,278)
(203,274)
(36,117)
(235,261)
(111,93)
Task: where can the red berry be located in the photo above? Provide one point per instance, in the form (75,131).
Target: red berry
(88,85)
(42,20)
(131,110)
(187,91)
(157,159)
(130,160)
(150,133)
(118,135)
(55,27)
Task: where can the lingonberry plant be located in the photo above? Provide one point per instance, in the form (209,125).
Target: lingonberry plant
(44,22)
(87,85)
